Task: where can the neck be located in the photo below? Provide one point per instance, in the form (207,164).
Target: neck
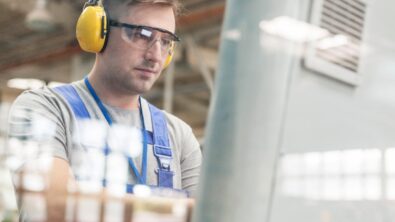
(111,95)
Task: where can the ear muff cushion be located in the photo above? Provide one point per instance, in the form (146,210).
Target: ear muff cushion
(169,58)
(92,28)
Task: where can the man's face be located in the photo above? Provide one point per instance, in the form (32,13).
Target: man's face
(132,69)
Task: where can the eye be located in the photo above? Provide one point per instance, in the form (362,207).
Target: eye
(166,42)
(129,32)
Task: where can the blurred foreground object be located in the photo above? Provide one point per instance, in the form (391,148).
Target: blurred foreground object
(100,206)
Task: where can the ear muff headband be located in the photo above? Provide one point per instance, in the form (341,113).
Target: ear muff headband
(92,28)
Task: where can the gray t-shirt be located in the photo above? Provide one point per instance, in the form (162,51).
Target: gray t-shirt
(47,104)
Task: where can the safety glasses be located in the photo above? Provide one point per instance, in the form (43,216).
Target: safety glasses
(143,37)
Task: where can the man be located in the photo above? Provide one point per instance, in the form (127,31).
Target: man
(139,42)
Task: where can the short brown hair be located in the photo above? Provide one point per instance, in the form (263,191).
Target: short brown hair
(112,6)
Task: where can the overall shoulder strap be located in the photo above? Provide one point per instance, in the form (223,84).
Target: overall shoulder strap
(161,144)
(74,100)
(159,137)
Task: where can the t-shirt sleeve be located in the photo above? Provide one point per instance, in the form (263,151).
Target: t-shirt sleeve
(36,125)
(191,159)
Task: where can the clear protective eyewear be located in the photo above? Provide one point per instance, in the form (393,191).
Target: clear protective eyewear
(144,37)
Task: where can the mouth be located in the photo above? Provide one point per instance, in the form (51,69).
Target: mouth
(146,71)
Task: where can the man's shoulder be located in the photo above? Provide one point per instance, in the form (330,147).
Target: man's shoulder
(181,130)
(35,96)
(42,94)
(41,99)
(176,122)
(173,122)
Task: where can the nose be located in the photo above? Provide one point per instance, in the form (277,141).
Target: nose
(154,52)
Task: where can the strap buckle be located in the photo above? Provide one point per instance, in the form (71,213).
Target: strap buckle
(164,156)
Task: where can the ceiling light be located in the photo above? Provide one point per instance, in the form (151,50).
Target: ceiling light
(39,19)
(25,83)
(293,30)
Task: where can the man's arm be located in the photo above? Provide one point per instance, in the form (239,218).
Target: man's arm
(191,160)
(60,179)
(57,179)
(37,140)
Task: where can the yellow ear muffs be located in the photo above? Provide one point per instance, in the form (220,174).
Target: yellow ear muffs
(168,61)
(92,29)
(169,57)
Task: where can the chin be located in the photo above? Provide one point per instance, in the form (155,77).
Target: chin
(142,89)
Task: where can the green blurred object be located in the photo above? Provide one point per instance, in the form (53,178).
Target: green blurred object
(10,216)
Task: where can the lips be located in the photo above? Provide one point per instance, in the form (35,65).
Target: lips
(146,71)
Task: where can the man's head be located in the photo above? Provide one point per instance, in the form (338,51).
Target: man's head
(139,42)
